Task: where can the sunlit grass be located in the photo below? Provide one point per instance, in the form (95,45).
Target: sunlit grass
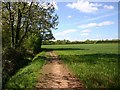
(96,65)
(94,72)
(82,49)
(27,76)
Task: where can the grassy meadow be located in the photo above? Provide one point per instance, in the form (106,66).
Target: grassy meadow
(96,65)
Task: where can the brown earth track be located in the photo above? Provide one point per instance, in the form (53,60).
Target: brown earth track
(55,74)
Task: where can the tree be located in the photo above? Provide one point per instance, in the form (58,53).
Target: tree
(21,22)
(21,19)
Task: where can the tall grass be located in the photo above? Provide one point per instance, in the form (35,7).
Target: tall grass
(96,70)
(27,76)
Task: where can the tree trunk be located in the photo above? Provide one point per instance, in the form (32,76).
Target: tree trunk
(11,23)
(18,28)
(27,25)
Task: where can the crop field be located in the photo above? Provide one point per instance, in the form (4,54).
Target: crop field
(96,65)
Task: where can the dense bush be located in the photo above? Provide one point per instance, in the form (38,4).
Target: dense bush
(37,45)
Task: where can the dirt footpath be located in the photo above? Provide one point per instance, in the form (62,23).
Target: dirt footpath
(55,74)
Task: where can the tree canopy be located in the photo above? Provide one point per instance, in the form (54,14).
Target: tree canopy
(21,20)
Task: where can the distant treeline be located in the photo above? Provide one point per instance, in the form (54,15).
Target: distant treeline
(47,42)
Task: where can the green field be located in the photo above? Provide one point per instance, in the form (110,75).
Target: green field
(95,64)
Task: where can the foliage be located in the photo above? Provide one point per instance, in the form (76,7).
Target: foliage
(21,19)
(34,43)
(12,61)
(96,65)
(48,42)
(27,76)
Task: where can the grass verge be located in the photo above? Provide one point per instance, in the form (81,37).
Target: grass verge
(27,76)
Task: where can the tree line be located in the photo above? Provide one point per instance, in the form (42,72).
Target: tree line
(49,42)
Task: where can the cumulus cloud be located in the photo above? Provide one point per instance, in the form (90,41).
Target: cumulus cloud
(89,25)
(84,6)
(108,7)
(65,32)
(86,31)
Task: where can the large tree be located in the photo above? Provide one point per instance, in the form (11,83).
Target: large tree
(20,20)
(23,22)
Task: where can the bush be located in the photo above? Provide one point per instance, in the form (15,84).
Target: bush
(37,45)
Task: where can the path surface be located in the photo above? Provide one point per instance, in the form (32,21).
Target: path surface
(55,74)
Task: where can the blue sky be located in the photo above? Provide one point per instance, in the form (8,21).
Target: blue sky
(83,20)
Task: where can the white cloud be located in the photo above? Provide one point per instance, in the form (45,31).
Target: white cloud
(103,16)
(84,34)
(108,7)
(86,31)
(89,25)
(85,6)
(65,32)
(105,23)
(69,16)
(94,18)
